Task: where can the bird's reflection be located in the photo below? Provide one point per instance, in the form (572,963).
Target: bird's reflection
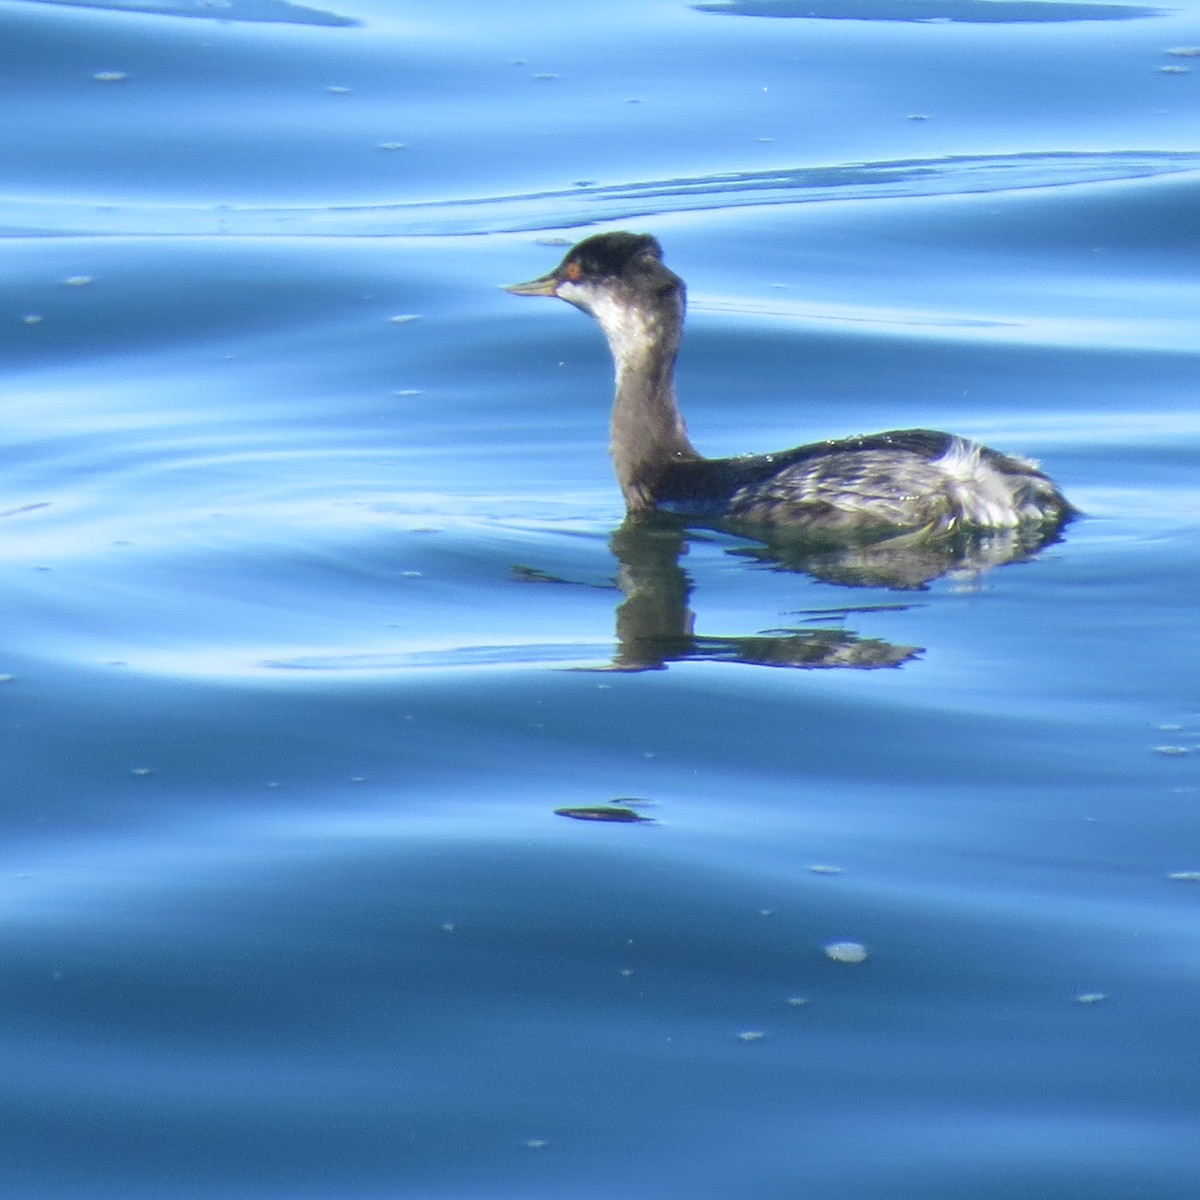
(655,625)
(905,561)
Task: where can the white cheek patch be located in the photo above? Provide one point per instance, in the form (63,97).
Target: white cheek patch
(627,328)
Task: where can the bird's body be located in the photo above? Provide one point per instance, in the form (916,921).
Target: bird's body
(902,479)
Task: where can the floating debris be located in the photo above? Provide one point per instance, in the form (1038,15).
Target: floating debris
(846,952)
(1185,876)
(1090,997)
(751,1035)
(602,812)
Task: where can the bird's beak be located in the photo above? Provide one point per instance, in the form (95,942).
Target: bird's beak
(547,285)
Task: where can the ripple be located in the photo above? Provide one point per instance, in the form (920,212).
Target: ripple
(275,11)
(991,12)
(448,658)
(22,216)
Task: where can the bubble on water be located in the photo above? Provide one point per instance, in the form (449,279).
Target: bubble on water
(797,1001)
(751,1035)
(391,145)
(846,952)
(77,280)
(142,772)
(1171,751)
(1185,52)
(1090,997)
(32,318)
(110,76)
(1174,70)
(824,869)
(1185,876)
(404,318)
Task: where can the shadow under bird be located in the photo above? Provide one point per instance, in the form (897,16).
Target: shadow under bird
(933,484)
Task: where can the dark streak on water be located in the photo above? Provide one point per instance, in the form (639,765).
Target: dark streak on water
(586,204)
(990,12)
(217,10)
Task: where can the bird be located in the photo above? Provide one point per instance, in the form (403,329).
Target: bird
(906,479)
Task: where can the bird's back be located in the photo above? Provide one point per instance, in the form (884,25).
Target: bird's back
(910,478)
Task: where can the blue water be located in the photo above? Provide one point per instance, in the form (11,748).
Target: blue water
(310,584)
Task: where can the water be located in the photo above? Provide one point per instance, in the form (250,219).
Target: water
(308,531)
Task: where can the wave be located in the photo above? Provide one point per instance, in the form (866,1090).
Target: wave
(279,11)
(588,204)
(990,12)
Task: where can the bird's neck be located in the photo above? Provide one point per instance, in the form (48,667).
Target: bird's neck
(647,430)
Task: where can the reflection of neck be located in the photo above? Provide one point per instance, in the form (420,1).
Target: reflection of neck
(654,622)
(647,432)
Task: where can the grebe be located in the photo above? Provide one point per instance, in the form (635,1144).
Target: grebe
(914,479)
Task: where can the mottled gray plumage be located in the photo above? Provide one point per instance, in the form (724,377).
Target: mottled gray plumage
(903,479)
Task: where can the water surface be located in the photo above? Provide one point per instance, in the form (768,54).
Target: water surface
(311,582)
